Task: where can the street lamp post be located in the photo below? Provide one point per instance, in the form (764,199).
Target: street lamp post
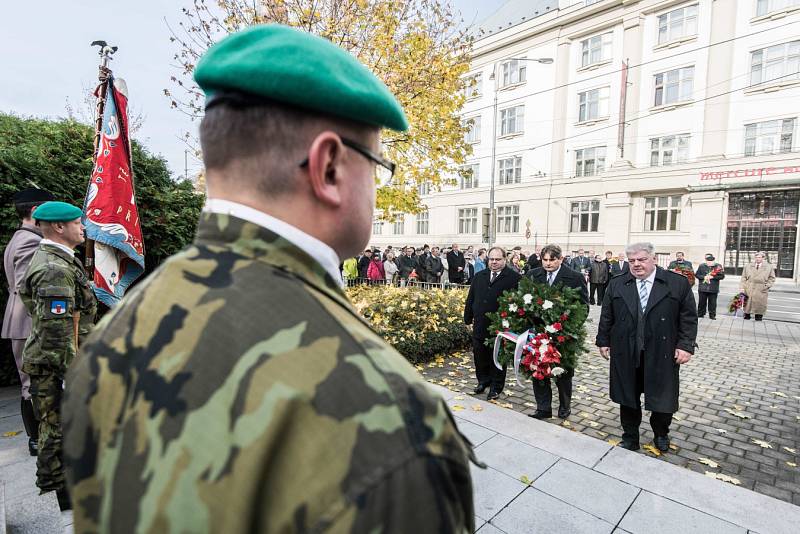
(494,76)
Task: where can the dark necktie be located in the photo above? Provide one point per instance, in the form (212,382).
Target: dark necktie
(494,275)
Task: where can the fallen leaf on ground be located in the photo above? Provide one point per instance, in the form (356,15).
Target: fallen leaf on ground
(724,478)
(12,433)
(614,442)
(458,398)
(740,415)
(457,407)
(505,405)
(593,424)
(652,450)
(477,408)
(762,443)
(510,393)
(779,394)
(419,367)
(585,415)
(525,480)
(530,405)
(773,407)
(789,449)
(673,447)
(601,433)
(709,463)
(722,431)
(737,407)
(791,464)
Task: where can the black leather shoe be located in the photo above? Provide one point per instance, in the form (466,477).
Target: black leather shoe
(64,502)
(747,316)
(563,414)
(661,443)
(541,415)
(480,388)
(713,318)
(33,447)
(629,444)
(492,395)
(759,317)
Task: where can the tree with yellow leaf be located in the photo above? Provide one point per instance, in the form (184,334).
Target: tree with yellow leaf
(414,46)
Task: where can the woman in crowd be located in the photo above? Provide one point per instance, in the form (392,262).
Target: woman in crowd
(756,280)
(375,271)
(390,268)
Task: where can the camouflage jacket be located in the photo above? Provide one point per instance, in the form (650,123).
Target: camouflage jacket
(237,390)
(56,288)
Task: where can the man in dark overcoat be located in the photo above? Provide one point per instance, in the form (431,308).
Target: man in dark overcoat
(553,273)
(648,327)
(486,288)
(433,268)
(455,265)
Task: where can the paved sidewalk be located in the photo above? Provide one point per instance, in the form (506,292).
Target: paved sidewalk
(739,413)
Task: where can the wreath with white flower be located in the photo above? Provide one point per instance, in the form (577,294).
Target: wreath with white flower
(540,329)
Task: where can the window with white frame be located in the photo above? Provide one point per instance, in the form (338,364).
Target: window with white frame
(584,216)
(423,218)
(512,120)
(399,226)
(590,161)
(596,49)
(769,137)
(778,62)
(474,86)
(377,227)
(468,221)
(508,219)
(469,176)
(662,213)
(509,170)
(669,150)
(513,72)
(593,104)
(590,2)
(765,7)
(424,188)
(678,23)
(473,133)
(674,86)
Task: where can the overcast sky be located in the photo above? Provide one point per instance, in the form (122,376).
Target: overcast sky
(46,60)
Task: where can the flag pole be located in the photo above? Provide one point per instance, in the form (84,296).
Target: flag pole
(104,72)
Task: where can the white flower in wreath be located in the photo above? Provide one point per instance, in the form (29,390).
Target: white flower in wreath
(550,329)
(547,305)
(513,308)
(506,324)
(527,298)
(557,371)
(544,341)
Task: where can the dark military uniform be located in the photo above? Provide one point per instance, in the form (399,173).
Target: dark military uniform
(59,297)
(237,390)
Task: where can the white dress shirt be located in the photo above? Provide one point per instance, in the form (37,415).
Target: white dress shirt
(648,284)
(65,248)
(555,275)
(312,246)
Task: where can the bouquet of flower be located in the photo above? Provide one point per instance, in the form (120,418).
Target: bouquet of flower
(737,302)
(685,271)
(710,276)
(545,325)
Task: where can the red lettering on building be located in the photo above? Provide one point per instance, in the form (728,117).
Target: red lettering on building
(752,172)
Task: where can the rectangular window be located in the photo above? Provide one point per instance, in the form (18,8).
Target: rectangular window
(473,133)
(422,222)
(474,86)
(509,170)
(669,150)
(513,72)
(596,49)
(508,219)
(424,188)
(674,86)
(678,23)
(593,104)
(377,227)
(399,226)
(590,161)
(584,216)
(468,221)
(764,7)
(779,62)
(662,213)
(469,176)
(769,137)
(512,120)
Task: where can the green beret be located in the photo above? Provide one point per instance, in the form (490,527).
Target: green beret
(280,64)
(57,212)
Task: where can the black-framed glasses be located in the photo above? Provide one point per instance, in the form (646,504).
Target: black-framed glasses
(385,168)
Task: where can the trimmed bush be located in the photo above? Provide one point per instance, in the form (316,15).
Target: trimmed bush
(419,323)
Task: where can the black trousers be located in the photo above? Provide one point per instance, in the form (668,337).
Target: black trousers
(485,370)
(601,292)
(631,418)
(543,392)
(706,300)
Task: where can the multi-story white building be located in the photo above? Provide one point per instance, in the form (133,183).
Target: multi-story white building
(704,159)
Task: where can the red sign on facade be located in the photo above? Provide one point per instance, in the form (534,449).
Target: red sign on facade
(748,173)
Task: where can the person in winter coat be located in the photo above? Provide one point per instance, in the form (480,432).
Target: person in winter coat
(350,269)
(647,328)
(363,265)
(375,272)
(598,279)
(390,267)
(433,267)
(756,280)
(708,276)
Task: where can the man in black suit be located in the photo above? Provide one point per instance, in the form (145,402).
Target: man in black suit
(432,267)
(406,263)
(363,264)
(648,328)
(620,267)
(486,288)
(455,265)
(581,263)
(553,273)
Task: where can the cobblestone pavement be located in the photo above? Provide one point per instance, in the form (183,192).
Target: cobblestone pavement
(739,404)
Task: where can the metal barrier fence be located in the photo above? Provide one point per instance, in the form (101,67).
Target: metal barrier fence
(351,282)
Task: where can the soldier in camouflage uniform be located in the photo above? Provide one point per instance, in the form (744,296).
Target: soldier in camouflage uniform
(58,295)
(237,389)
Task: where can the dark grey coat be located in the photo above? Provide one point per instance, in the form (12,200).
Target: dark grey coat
(670,323)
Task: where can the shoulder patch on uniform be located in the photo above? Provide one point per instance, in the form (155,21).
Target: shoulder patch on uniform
(58,307)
